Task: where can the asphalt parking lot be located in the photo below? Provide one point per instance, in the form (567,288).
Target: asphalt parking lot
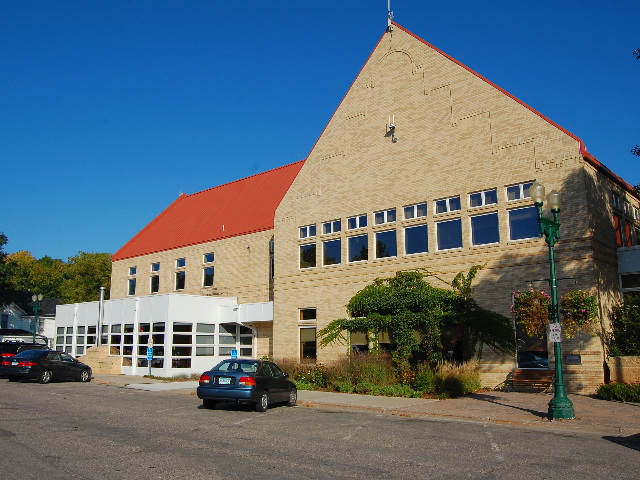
(109,430)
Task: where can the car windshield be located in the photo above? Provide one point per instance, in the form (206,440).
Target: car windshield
(31,354)
(249,366)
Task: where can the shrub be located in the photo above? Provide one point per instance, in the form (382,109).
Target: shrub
(373,369)
(453,380)
(344,387)
(366,388)
(401,390)
(624,392)
(425,379)
(624,338)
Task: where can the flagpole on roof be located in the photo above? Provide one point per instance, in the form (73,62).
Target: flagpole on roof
(389,16)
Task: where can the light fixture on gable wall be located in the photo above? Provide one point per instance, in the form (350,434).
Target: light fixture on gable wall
(391,128)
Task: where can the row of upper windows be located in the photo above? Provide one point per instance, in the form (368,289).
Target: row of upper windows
(483,229)
(625,206)
(418,210)
(180,263)
(208,273)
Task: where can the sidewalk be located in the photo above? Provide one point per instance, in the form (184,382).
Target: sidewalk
(593,416)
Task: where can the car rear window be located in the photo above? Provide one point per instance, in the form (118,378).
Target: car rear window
(247,366)
(31,354)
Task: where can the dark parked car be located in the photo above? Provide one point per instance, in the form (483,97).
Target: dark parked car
(44,366)
(9,349)
(256,382)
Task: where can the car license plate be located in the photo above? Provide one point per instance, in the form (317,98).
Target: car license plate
(224,381)
(14,363)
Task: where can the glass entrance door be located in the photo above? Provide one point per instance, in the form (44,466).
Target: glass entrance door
(531,352)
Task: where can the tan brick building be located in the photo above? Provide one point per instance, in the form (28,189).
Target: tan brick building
(425,164)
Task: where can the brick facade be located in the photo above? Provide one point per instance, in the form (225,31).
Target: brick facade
(242,269)
(455,134)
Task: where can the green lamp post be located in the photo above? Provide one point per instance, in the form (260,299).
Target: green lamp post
(37,303)
(560,407)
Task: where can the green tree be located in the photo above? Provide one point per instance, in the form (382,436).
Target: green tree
(43,276)
(6,287)
(85,273)
(22,263)
(422,318)
(624,338)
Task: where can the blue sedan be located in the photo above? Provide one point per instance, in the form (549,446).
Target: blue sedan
(256,382)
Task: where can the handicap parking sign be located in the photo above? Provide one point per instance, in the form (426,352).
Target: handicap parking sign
(235,353)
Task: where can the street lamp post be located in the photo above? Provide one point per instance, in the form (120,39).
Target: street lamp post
(37,303)
(560,407)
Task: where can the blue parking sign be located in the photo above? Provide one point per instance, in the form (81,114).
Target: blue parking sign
(235,353)
(149,353)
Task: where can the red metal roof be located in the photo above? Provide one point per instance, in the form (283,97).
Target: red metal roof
(236,208)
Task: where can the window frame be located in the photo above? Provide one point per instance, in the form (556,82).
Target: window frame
(483,197)
(381,217)
(358,219)
(349,256)
(447,204)
(422,225)
(324,251)
(206,255)
(395,238)
(308,231)
(315,255)
(205,275)
(180,278)
(522,191)
(473,230)
(414,209)
(333,228)
(438,224)
(509,223)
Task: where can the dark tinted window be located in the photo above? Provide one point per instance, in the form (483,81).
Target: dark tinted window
(32,354)
(276,370)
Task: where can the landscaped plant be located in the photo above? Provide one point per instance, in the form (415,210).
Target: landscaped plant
(531,309)
(375,375)
(579,310)
(424,320)
(624,338)
(623,392)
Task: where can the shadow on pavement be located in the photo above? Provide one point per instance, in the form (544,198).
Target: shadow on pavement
(632,441)
(490,399)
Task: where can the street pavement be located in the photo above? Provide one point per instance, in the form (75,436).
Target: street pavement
(593,416)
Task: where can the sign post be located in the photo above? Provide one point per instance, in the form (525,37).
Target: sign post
(554,332)
(149,353)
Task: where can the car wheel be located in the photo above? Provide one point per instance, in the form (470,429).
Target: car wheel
(85,375)
(208,403)
(263,404)
(293,397)
(45,376)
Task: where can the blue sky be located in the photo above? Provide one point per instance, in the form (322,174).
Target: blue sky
(110,109)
